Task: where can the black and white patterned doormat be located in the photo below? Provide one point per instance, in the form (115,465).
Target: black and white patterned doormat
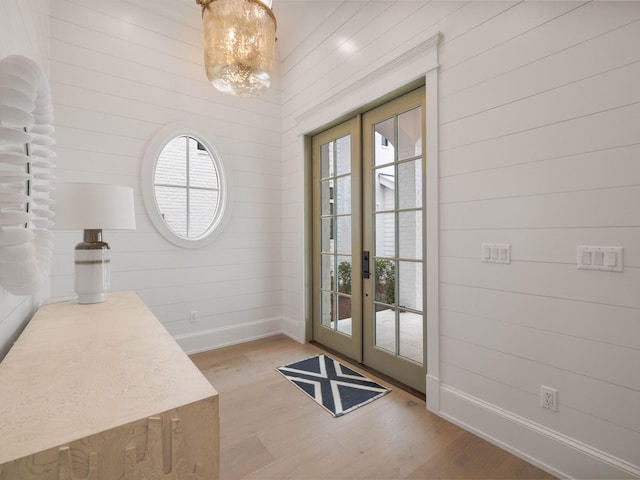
(335,387)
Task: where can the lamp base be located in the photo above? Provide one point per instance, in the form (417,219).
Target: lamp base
(92,268)
(92,297)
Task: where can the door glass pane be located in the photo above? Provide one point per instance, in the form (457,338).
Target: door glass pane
(410,234)
(410,283)
(344,275)
(327,281)
(384,138)
(385,232)
(344,234)
(327,309)
(326,163)
(326,235)
(344,314)
(343,195)
(385,281)
(385,329)
(326,198)
(385,188)
(410,184)
(411,337)
(410,133)
(343,155)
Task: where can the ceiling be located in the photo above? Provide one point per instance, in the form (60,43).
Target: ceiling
(297,19)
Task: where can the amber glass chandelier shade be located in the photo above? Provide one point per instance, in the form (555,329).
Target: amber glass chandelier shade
(239,45)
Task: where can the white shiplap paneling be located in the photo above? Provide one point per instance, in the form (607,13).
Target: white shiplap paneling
(538,110)
(122,71)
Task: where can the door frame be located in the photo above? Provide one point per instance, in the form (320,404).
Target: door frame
(419,65)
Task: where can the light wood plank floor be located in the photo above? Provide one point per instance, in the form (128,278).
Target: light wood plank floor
(271,430)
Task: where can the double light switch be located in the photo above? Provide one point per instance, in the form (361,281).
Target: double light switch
(608,259)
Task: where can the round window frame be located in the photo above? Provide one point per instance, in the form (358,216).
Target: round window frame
(150,159)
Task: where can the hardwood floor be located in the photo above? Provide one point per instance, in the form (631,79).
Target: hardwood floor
(271,430)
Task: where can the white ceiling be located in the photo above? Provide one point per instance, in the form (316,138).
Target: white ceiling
(297,19)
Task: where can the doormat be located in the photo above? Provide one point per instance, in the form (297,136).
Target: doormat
(335,387)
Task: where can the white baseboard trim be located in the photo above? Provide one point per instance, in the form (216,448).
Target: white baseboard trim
(552,451)
(229,335)
(293,329)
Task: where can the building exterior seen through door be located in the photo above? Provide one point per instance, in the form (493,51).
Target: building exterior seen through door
(368,238)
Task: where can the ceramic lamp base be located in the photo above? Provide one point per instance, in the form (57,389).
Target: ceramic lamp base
(92,268)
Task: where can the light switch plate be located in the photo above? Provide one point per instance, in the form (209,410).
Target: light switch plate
(495,252)
(605,259)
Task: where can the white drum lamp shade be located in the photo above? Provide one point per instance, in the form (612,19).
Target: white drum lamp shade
(93,207)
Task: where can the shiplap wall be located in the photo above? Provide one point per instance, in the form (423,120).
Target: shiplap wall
(120,72)
(24,30)
(539,114)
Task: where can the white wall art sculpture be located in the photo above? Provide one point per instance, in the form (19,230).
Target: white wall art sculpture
(25,174)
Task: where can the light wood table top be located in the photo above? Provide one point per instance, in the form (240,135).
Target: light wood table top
(81,369)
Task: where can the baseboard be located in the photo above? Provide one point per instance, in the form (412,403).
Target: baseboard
(229,335)
(551,451)
(293,329)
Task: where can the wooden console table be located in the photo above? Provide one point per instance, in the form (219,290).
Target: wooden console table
(102,392)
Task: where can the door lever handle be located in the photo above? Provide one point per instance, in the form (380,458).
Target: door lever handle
(365,264)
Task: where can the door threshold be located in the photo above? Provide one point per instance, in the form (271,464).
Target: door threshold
(380,375)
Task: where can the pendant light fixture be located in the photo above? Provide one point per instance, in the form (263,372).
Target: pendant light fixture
(239,44)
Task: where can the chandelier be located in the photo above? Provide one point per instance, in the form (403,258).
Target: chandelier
(239,44)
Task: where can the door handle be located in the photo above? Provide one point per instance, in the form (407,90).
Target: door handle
(365,264)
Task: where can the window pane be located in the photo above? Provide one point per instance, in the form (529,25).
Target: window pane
(410,237)
(344,275)
(343,195)
(327,197)
(411,337)
(410,133)
(202,171)
(385,329)
(385,230)
(326,160)
(172,203)
(384,137)
(344,314)
(410,184)
(326,232)
(202,209)
(327,309)
(343,155)
(171,168)
(344,234)
(327,281)
(385,188)
(410,282)
(385,281)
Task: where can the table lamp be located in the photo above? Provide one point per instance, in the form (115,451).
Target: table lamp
(93,207)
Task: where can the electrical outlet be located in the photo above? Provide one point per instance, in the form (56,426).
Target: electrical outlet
(193,316)
(549,398)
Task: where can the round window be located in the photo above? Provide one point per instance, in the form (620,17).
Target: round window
(184,187)
(187,187)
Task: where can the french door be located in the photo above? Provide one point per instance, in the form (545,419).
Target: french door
(368,248)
